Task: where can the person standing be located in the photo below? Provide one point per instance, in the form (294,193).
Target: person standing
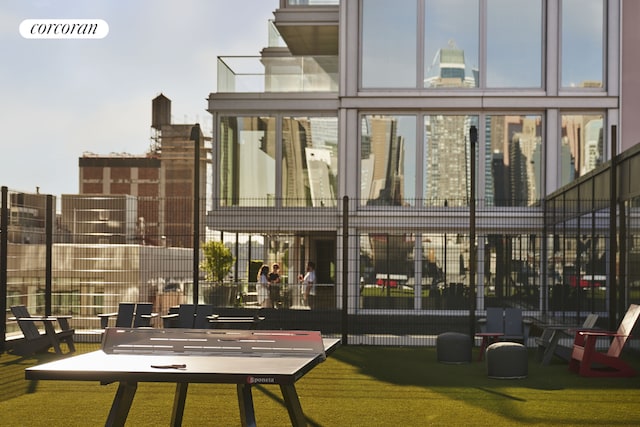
(309,285)
(262,287)
(274,284)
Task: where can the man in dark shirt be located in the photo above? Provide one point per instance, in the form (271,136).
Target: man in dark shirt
(274,285)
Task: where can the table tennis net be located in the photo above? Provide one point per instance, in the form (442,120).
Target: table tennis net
(216,342)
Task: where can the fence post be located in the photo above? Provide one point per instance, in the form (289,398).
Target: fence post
(345,269)
(4,231)
(48,269)
(473,137)
(613,233)
(195,137)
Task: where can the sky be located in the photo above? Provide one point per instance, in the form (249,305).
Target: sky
(60,98)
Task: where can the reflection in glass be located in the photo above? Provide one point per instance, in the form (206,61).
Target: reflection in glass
(247,161)
(577,266)
(445,259)
(514,43)
(387,270)
(388,254)
(387,160)
(582,43)
(391,278)
(447,167)
(513,160)
(389,36)
(511,265)
(309,161)
(451,43)
(582,148)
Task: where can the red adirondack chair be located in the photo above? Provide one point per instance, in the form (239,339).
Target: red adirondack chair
(587,361)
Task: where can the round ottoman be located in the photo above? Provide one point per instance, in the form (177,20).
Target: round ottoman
(453,347)
(507,360)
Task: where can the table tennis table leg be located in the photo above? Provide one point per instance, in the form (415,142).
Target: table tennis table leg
(293,405)
(178,404)
(245,401)
(121,404)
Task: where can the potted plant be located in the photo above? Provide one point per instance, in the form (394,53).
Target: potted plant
(216,264)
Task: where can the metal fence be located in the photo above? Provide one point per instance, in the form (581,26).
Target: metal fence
(386,274)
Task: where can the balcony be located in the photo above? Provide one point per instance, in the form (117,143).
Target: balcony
(277,72)
(309,27)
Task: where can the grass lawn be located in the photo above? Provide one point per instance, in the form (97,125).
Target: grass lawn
(356,386)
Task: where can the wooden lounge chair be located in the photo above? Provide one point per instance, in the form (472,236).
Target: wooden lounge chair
(505,324)
(123,317)
(550,344)
(587,361)
(494,322)
(129,315)
(515,327)
(203,311)
(143,315)
(34,340)
(180,318)
(189,316)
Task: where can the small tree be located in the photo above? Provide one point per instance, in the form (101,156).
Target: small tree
(217,261)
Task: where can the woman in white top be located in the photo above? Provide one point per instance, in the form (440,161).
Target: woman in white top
(309,284)
(262,287)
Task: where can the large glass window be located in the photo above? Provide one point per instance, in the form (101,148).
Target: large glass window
(582,43)
(389,37)
(387,160)
(582,146)
(451,43)
(247,161)
(513,160)
(514,43)
(449,34)
(447,160)
(309,161)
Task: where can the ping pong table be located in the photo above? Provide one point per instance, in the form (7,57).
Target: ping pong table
(183,356)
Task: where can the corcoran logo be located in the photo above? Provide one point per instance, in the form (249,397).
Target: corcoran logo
(261,380)
(64,29)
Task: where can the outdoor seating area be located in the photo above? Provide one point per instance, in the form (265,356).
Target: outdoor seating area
(411,388)
(440,369)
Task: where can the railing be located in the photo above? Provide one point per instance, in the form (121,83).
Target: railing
(240,74)
(312,3)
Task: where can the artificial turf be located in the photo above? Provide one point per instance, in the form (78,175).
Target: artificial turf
(355,386)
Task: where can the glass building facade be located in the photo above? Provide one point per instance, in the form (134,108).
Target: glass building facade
(437,105)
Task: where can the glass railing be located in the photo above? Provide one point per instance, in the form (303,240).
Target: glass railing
(237,74)
(313,2)
(275,39)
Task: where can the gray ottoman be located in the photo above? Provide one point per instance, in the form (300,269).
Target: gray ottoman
(507,360)
(453,347)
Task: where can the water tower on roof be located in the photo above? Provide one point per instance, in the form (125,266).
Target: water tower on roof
(160,112)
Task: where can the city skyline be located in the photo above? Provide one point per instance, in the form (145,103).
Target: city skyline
(62,98)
